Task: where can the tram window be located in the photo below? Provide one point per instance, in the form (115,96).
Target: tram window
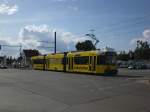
(111,60)
(38,61)
(108,58)
(111,57)
(64,61)
(101,59)
(90,59)
(81,60)
(56,61)
(47,61)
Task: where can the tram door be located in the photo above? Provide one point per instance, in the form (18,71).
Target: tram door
(92,63)
(70,62)
(44,63)
(47,64)
(65,61)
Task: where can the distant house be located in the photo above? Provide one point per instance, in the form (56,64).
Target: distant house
(26,56)
(2,61)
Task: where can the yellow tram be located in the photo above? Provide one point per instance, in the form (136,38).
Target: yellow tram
(96,62)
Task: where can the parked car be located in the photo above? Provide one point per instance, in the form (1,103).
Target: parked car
(131,67)
(148,66)
(138,66)
(3,66)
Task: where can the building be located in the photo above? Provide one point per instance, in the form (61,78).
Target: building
(26,57)
(3,62)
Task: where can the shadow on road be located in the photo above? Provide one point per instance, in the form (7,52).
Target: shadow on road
(129,76)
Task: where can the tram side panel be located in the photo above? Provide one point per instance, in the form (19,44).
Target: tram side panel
(55,62)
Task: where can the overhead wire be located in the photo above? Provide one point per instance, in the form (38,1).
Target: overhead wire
(125,26)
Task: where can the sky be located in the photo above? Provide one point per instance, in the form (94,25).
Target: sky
(117,23)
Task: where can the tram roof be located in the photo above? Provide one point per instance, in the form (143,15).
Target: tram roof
(57,55)
(75,53)
(37,57)
(84,53)
(94,52)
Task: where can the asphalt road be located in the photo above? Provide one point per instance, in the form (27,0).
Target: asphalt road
(45,91)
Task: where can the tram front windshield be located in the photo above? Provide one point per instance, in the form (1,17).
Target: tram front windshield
(106,58)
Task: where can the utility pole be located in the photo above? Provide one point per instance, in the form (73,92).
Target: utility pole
(48,42)
(55,36)
(20,50)
(13,46)
(20,54)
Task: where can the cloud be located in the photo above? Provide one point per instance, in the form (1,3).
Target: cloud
(31,35)
(145,37)
(8,9)
(9,48)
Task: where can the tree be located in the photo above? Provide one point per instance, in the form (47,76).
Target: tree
(123,56)
(142,50)
(85,46)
